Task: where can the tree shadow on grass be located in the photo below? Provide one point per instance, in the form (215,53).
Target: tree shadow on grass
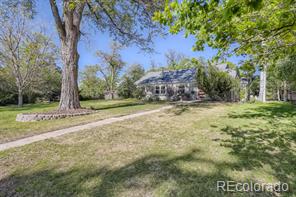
(116,105)
(272,110)
(273,146)
(151,175)
(181,108)
(27,107)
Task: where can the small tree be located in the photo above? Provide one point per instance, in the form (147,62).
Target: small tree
(247,70)
(217,84)
(91,85)
(127,87)
(111,65)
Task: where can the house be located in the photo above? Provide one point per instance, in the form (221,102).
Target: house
(170,85)
(179,84)
(110,95)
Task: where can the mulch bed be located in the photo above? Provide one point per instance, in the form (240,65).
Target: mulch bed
(56,114)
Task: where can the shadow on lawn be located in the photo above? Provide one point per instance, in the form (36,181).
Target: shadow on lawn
(271,144)
(116,105)
(272,110)
(139,178)
(181,108)
(27,107)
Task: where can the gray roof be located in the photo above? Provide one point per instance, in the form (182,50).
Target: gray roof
(173,76)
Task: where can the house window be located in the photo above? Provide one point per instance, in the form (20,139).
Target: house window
(159,89)
(181,89)
(162,90)
(156,89)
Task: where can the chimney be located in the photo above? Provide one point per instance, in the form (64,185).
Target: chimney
(162,72)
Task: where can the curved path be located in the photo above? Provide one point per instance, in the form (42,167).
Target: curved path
(52,134)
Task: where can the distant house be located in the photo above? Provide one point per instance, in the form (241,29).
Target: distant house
(109,95)
(226,68)
(170,85)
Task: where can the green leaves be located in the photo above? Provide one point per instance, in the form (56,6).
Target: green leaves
(261,28)
(217,84)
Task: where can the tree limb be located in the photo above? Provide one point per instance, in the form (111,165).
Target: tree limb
(58,20)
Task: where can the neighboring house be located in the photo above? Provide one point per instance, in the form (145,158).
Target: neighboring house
(292,96)
(110,95)
(225,68)
(170,85)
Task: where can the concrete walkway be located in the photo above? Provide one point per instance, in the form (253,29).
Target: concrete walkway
(52,134)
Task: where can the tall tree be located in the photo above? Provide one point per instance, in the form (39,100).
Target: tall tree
(282,76)
(7,86)
(173,58)
(111,65)
(125,21)
(23,51)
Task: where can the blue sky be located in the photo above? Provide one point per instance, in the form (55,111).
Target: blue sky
(101,41)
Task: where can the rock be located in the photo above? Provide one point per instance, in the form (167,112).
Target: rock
(50,116)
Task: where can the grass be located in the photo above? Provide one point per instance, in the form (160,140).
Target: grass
(11,130)
(179,152)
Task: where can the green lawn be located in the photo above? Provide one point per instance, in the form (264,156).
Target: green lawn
(11,130)
(178,152)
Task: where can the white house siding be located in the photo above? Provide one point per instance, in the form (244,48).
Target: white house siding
(172,90)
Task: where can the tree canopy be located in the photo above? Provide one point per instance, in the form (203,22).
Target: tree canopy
(264,29)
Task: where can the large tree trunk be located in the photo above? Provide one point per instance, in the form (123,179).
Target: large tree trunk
(68,28)
(69,93)
(285,91)
(278,94)
(262,91)
(248,91)
(20,98)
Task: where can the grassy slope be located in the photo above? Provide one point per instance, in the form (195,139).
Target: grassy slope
(10,129)
(181,152)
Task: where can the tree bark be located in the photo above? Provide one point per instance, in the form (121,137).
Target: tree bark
(20,98)
(69,93)
(285,91)
(68,28)
(278,94)
(262,91)
(248,91)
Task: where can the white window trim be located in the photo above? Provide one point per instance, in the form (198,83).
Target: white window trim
(159,89)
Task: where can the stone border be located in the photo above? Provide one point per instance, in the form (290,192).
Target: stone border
(32,117)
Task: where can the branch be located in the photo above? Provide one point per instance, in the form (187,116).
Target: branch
(58,20)
(105,77)
(112,21)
